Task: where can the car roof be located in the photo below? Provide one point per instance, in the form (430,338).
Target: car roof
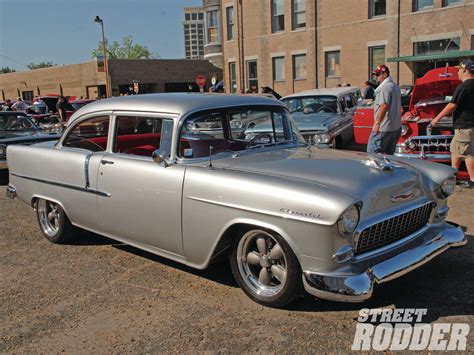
(327,91)
(173,103)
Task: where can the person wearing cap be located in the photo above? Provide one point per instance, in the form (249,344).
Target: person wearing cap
(387,114)
(462,108)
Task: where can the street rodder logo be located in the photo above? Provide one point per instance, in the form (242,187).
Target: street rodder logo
(402,329)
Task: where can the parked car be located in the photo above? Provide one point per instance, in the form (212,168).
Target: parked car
(325,116)
(285,214)
(77,104)
(430,95)
(17,128)
(44,113)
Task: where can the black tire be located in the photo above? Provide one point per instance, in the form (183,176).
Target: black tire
(53,222)
(281,281)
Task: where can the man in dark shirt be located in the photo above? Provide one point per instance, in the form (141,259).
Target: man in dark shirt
(369,92)
(462,107)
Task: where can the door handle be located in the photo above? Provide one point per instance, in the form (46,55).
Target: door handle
(103,162)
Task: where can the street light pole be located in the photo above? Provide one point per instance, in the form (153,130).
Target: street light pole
(108,92)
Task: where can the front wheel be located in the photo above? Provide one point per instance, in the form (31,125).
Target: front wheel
(53,222)
(266,268)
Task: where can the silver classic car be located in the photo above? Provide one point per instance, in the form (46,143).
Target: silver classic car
(325,117)
(290,217)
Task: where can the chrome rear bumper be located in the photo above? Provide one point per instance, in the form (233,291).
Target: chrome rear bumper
(357,287)
(11,192)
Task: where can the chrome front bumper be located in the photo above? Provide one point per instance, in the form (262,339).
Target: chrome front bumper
(345,286)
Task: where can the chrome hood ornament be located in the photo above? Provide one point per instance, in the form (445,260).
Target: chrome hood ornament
(380,163)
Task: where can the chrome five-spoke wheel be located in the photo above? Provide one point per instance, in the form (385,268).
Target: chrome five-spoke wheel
(266,268)
(53,222)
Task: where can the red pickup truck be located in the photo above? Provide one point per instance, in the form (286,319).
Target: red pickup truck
(419,140)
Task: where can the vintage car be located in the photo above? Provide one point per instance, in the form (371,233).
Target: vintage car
(284,212)
(325,116)
(17,128)
(44,113)
(419,140)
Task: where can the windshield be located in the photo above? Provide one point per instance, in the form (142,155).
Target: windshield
(312,104)
(236,130)
(15,122)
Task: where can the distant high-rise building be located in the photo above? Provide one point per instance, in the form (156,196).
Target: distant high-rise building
(193,32)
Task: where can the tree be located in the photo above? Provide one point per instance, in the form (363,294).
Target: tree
(126,50)
(5,70)
(33,66)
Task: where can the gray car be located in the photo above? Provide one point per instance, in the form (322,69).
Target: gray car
(325,117)
(290,217)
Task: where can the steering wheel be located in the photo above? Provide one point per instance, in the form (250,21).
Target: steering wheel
(259,136)
(326,109)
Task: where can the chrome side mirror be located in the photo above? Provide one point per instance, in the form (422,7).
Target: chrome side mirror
(160,158)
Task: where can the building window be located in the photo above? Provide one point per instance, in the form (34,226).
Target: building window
(299,66)
(298,14)
(333,67)
(422,4)
(451,2)
(232,78)
(252,75)
(278,15)
(377,8)
(187,17)
(194,17)
(212,27)
(201,16)
(438,46)
(230,22)
(376,57)
(278,68)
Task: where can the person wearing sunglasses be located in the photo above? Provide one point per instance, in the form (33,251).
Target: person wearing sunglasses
(462,108)
(387,114)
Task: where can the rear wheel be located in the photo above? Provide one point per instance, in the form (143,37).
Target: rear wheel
(53,222)
(266,268)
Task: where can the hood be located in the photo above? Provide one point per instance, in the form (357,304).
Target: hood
(26,137)
(315,121)
(328,169)
(52,101)
(436,83)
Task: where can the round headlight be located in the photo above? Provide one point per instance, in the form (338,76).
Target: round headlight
(316,139)
(404,130)
(3,151)
(410,145)
(348,221)
(448,187)
(321,138)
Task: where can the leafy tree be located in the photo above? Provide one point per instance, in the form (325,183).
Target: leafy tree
(5,70)
(33,66)
(126,50)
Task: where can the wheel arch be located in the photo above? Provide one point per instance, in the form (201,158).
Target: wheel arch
(236,227)
(36,197)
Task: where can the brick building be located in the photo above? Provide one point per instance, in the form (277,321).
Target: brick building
(294,45)
(86,80)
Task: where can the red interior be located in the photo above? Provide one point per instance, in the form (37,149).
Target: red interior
(137,144)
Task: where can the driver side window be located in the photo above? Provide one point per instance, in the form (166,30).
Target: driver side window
(90,134)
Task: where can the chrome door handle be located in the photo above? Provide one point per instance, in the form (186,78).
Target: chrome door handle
(103,162)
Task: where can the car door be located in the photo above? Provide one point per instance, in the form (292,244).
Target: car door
(71,168)
(144,205)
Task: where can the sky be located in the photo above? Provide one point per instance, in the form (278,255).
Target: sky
(64,31)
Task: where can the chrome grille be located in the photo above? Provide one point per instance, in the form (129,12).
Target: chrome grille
(393,229)
(429,144)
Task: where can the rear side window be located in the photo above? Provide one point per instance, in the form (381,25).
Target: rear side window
(138,135)
(349,101)
(90,134)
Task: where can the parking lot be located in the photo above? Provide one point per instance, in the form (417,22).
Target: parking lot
(97,295)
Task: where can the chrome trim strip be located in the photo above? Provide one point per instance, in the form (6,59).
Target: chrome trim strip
(444,157)
(67,186)
(86,169)
(254,210)
(439,136)
(364,127)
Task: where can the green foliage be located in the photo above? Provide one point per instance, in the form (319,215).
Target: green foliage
(126,50)
(33,66)
(5,70)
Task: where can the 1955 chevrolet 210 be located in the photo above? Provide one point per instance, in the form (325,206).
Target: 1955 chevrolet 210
(290,217)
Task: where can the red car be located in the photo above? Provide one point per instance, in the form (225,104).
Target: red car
(419,140)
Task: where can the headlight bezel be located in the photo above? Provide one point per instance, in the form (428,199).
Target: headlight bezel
(448,186)
(341,223)
(3,151)
(405,130)
(321,138)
